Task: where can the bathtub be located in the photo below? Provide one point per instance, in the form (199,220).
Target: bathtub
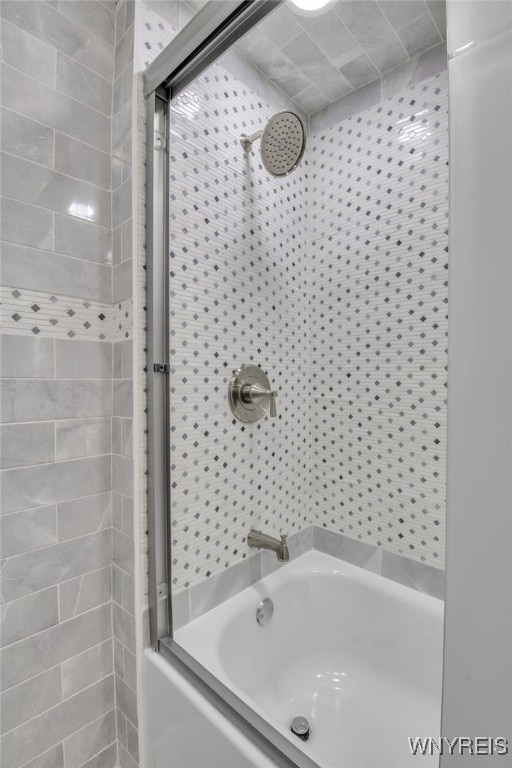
(358,655)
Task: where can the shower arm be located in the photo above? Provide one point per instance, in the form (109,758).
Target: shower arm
(247,141)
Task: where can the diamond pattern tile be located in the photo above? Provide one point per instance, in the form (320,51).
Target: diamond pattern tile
(340,269)
(238,295)
(64,317)
(377,219)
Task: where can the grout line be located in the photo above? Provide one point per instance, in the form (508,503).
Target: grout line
(57,213)
(64,256)
(359,45)
(85,573)
(81,64)
(126,716)
(123,680)
(61,173)
(393,30)
(59,704)
(92,757)
(52,128)
(58,544)
(69,19)
(63,661)
(440,32)
(46,751)
(74,419)
(90,31)
(22,597)
(80,141)
(54,90)
(47,421)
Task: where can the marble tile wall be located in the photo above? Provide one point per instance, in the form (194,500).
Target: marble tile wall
(57,701)
(318,58)
(123,587)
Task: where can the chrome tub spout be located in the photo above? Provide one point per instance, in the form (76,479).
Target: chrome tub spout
(260,540)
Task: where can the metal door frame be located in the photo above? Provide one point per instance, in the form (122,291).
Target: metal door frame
(210,33)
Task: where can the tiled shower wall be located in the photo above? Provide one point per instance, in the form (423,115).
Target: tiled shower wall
(373,494)
(377,226)
(58,698)
(238,295)
(375,289)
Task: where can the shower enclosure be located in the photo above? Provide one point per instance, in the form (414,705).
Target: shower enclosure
(297,261)
(298,337)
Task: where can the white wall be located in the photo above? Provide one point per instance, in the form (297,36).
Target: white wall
(477,689)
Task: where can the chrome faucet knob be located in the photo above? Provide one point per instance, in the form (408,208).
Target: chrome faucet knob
(250,394)
(254,392)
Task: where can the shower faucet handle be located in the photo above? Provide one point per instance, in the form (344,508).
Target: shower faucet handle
(250,395)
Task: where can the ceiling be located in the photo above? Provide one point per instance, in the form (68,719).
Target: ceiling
(316,59)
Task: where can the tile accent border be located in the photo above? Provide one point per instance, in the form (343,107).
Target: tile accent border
(54,316)
(189,604)
(123,320)
(36,313)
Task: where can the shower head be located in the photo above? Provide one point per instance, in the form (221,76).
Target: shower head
(283,141)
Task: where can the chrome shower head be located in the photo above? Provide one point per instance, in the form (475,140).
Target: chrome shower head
(283,141)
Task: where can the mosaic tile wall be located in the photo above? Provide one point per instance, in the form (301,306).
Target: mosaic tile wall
(391,491)
(377,227)
(238,295)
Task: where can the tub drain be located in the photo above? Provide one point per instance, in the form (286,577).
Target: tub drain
(300,727)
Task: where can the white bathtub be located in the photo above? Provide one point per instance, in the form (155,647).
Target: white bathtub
(184,730)
(358,655)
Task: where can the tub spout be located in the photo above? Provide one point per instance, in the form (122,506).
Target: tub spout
(261,540)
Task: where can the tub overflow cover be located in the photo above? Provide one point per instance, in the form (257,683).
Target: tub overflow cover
(264,611)
(300,727)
